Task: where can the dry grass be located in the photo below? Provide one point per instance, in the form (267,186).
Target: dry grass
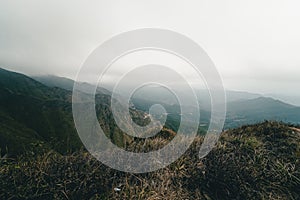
(252,162)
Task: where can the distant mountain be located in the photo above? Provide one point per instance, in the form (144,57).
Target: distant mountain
(66,83)
(164,96)
(149,93)
(239,95)
(290,99)
(259,109)
(34,113)
(242,107)
(55,81)
(141,100)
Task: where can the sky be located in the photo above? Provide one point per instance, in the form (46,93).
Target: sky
(254,44)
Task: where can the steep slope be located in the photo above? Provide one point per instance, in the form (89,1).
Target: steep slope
(16,83)
(32,113)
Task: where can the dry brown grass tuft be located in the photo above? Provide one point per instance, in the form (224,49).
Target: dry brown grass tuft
(252,162)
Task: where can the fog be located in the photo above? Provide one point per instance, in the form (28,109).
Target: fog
(254,44)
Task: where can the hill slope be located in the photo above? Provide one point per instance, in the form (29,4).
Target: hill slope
(261,161)
(33,114)
(242,107)
(259,109)
(65,83)
(31,111)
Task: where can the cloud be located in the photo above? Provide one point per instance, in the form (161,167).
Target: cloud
(247,40)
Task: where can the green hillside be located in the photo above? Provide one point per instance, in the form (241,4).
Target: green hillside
(33,114)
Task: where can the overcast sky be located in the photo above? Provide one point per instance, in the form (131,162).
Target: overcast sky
(255,44)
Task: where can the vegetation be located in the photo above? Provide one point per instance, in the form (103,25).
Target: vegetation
(41,156)
(32,114)
(260,161)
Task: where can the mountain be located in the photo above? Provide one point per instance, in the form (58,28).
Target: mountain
(66,83)
(242,107)
(42,157)
(19,84)
(33,114)
(248,109)
(290,99)
(140,102)
(240,95)
(160,94)
(259,109)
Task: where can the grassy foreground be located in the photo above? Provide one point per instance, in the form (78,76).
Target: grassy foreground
(252,162)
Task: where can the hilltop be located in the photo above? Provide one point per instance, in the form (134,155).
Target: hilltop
(260,161)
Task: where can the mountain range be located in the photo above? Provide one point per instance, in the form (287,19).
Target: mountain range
(37,111)
(35,115)
(41,156)
(242,107)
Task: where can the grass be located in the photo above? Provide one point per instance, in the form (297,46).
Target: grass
(252,162)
